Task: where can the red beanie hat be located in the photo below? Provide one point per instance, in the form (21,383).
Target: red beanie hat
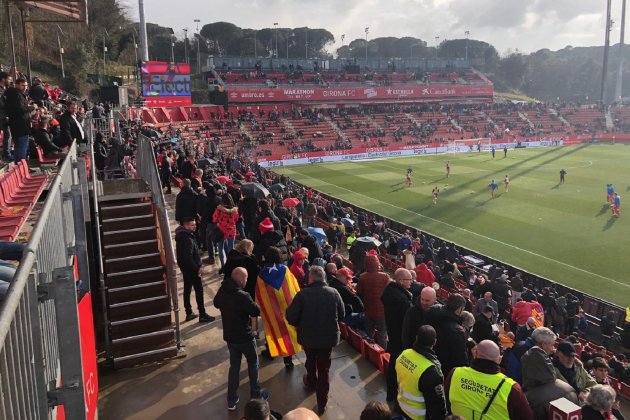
(266,225)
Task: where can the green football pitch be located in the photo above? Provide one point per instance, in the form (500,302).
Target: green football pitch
(564,232)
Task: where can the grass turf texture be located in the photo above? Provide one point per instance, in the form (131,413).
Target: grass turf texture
(564,232)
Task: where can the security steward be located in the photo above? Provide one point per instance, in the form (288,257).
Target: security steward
(420,380)
(481,391)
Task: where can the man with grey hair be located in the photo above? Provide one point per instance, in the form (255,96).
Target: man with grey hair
(315,312)
(396,300)
(599,403)
(539,379)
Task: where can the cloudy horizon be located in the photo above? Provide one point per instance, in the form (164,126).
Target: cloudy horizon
(507,24)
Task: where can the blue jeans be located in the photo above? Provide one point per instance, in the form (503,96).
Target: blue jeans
(21,148)
(237,351)
(225,246)
(6,142)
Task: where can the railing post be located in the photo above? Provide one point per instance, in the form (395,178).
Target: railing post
(80,238)
(71,393)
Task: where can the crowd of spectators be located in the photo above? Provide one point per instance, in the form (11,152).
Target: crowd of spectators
(490,320)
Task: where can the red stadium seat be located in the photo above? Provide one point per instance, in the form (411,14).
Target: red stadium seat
(373,354)
(356,340)
(44,160)
(385,357)
(343,328)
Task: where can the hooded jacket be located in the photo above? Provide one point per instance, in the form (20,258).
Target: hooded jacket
(451,339)
(226,219)
(540,384)
(370,287)
(188,254)
(236,306)
(396,301)
(424,275)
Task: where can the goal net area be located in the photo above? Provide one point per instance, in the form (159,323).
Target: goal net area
(469,145)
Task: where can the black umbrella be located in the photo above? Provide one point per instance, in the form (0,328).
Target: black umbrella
(277,188)
(367,243)
(254,190)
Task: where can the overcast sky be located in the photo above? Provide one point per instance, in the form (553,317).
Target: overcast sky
(528,25)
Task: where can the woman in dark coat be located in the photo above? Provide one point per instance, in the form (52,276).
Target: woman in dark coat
(241,256)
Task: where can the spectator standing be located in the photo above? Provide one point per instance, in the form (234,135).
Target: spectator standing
(424,275)
(187,169)
(315,312)
(483,328)
(186,203)
(166,171)
(416,316)
(341,281)
(71,128)
(226,216)
(237,306)
(270,237)
(38,93)
(608,327)
(491,395)
(370,287)
(19,113)
(275,290)
(189,262)
(396,299)
(5,82)
(451,337)
(420,379)
(487,301)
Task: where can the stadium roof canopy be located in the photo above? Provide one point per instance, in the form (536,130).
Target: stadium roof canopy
(61,10)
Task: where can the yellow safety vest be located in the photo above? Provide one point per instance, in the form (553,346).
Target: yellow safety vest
(628,314)
(470,391)
(350,241)
(410,366)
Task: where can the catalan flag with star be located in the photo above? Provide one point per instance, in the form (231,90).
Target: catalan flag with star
(275,288)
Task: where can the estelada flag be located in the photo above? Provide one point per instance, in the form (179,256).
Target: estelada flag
(276,287)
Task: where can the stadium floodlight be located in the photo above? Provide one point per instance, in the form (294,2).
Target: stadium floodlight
(367,31)
(467,33)
(59,31)
(275,25)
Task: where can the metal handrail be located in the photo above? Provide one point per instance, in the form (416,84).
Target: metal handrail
(148,171)
(89,125)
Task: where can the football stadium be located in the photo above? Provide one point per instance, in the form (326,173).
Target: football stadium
(422,221)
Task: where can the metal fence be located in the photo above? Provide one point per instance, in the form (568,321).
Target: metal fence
(147,170)
(39,325)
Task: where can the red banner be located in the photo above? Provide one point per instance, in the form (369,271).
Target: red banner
(88,357)
(421,92)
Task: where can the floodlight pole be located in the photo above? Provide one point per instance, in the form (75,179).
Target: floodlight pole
(23,14)
(619,87)
(144,46)
(63,72)
(11,38)
(186,46)
(606,48)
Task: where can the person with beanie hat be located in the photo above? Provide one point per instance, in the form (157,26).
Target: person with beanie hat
(370,288)
(269,236)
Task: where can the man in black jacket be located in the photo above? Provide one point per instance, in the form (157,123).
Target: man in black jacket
(396,300)
(270,237)
(189,262)
(264,212)
(38,93)
(430,383)
(186,202)
(237,306)
(70,127)
(451,339)
(416,316)
(341,281)
(483,326)
(315,312)
(5,81)
(19,113)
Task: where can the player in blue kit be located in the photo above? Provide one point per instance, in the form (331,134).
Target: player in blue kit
(616,206)
(493,188)
(610,190)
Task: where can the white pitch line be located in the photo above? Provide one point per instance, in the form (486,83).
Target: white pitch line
(474,233)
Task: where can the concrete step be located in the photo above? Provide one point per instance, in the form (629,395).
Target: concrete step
(132,262)
(148,246)
(129,235)
(139,308)
(143,342)
(145,357)
(132,277)
(136,292)
(140,325)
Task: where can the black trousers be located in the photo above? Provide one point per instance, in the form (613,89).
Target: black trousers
(192,280)
(390,375)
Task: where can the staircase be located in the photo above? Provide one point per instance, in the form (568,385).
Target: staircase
(138,305)
(337,130)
